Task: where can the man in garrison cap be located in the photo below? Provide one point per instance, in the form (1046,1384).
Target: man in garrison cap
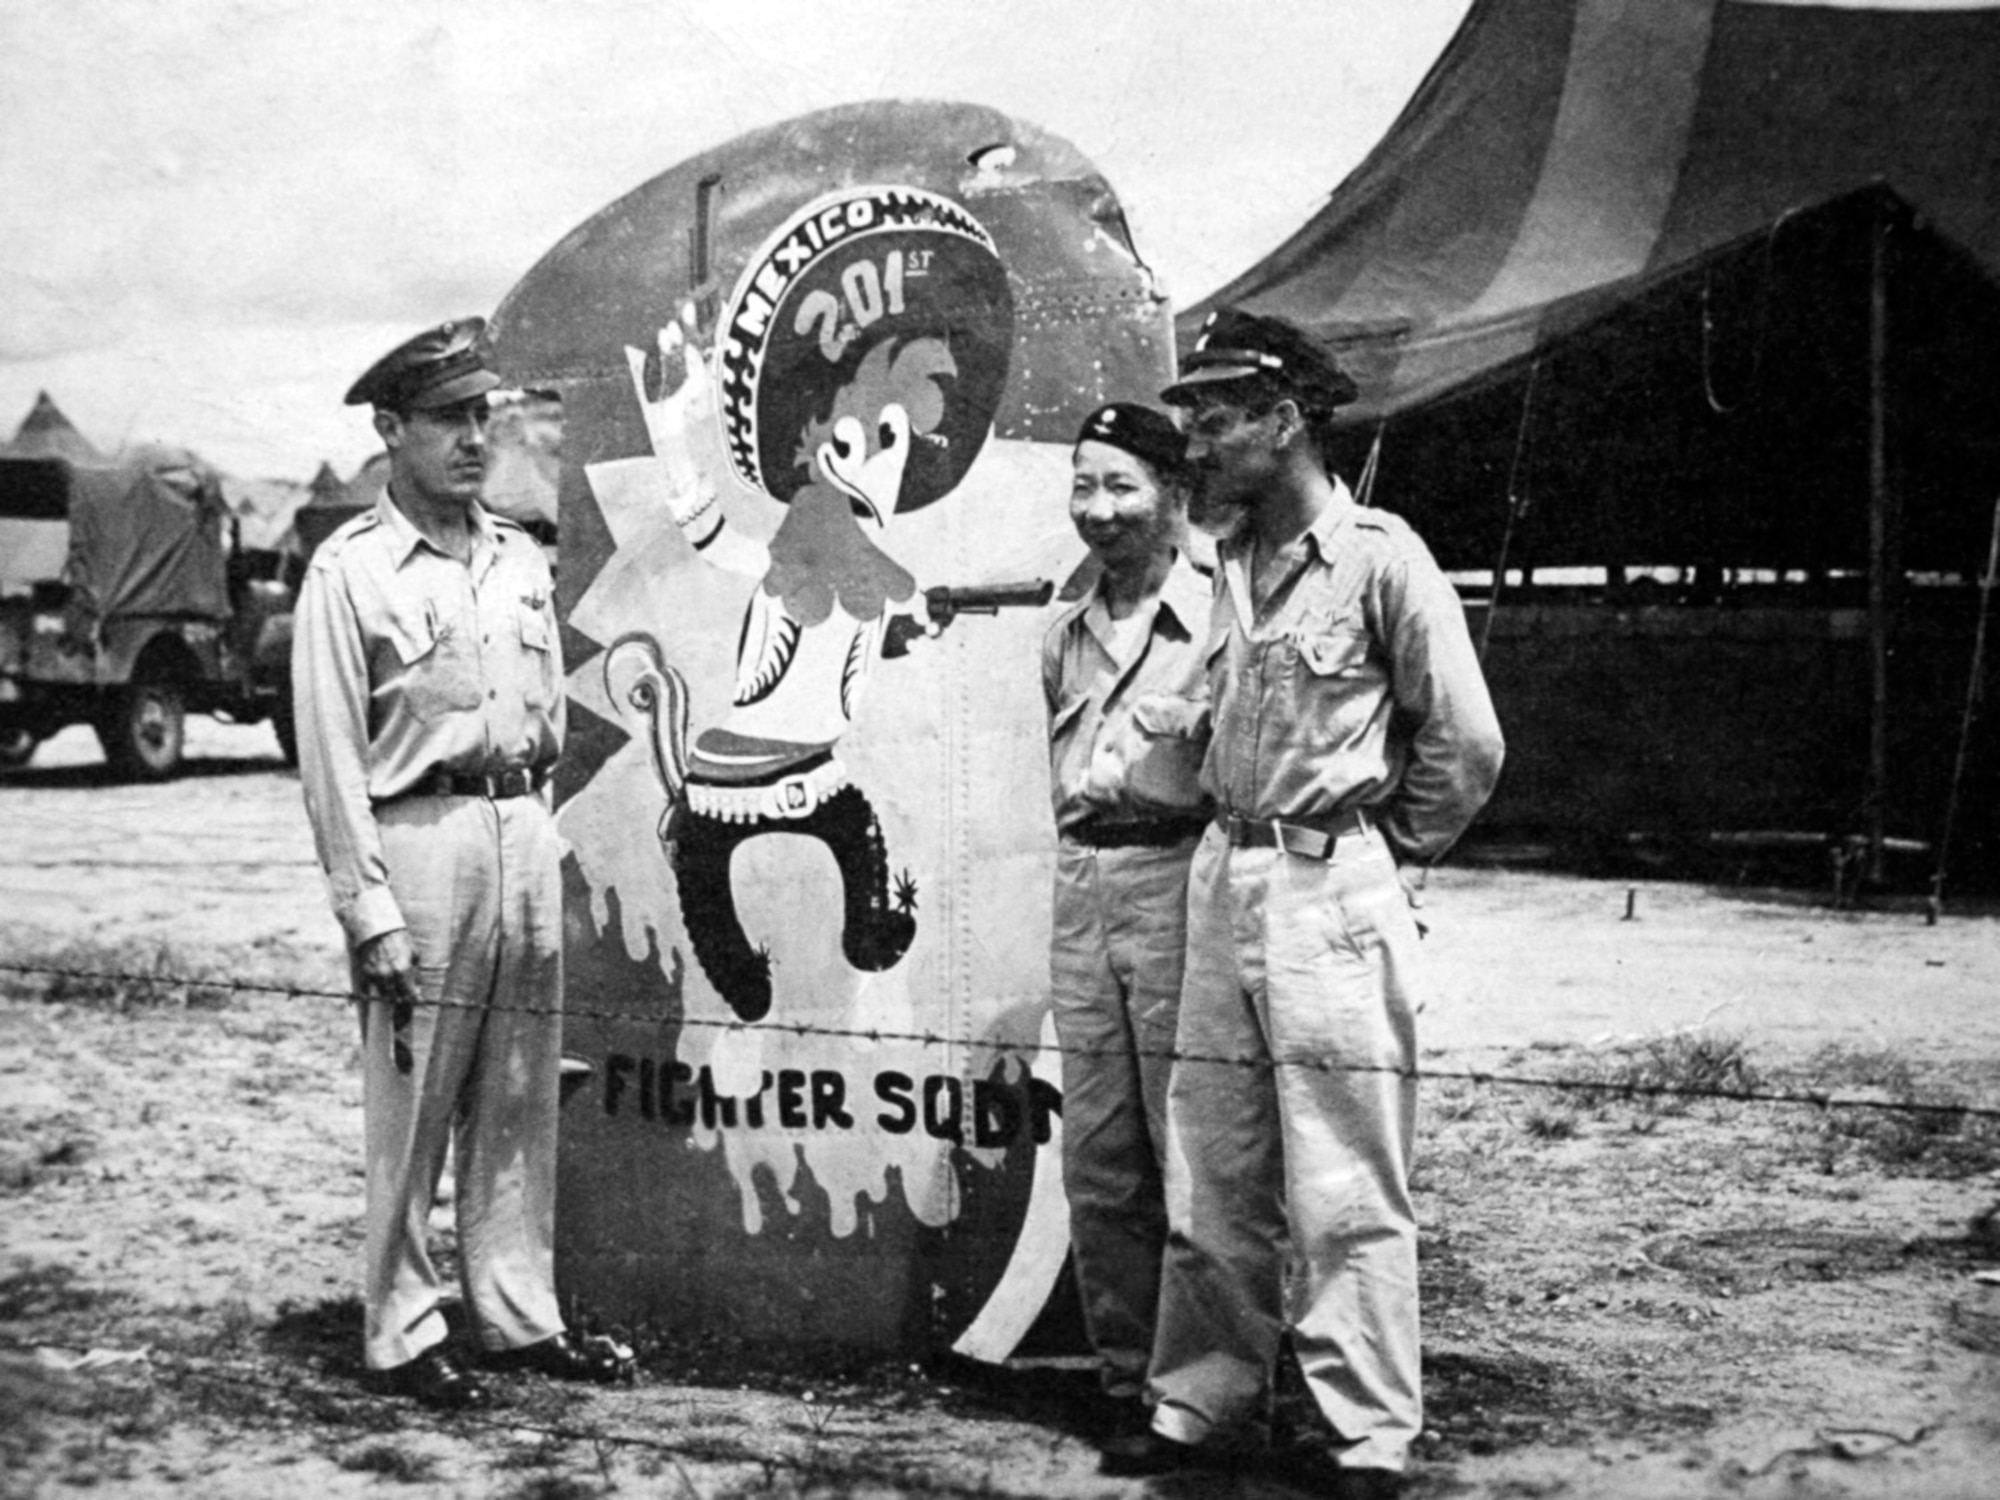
(428,691)
(1351,733)
(1127,696)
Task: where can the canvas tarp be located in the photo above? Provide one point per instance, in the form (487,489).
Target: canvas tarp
(147,537)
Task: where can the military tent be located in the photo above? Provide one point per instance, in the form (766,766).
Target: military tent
(329,503)
(1697,303)
(46,433)
(264,509)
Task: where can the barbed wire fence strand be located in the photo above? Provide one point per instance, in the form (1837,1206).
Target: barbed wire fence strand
(264,1381)
(1627,1087)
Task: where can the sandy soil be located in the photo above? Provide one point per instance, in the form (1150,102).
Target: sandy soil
(1623,1296)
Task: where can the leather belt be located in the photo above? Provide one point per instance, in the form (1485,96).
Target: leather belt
(1154,833)
(1315,838)
(519,781)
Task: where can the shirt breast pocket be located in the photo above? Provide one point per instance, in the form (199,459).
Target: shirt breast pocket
(1341,651)
(438,673)
(1164,755)
(538,659)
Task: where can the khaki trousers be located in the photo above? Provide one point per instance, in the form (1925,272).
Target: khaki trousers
(479,887)
(1294,962)
(1120,935)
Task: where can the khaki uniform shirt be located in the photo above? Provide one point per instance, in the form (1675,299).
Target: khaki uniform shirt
(1126,736)
(405,662)
(1354,686)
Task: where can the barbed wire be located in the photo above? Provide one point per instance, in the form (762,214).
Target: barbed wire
(1802,1097)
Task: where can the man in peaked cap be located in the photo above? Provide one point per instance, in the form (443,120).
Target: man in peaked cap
(428,694)
(1351,733)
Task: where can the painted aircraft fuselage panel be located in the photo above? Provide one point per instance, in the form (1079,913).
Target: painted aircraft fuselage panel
(805,795)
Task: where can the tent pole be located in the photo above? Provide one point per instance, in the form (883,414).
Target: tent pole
(1875,811)
(1975,690)
(1515,505)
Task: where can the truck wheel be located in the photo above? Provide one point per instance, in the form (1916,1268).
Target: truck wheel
(16,746)
(286,727)
(143,732)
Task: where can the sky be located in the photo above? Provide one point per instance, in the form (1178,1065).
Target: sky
(215,214)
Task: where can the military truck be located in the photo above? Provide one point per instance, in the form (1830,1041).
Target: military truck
(126,604)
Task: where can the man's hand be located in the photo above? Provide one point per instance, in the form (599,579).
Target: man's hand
(388,966)
(913,622)
(1413,884)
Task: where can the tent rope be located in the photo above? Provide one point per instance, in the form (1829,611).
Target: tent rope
(1365,490)
(1517,506)
(1715,403)
(1975,690)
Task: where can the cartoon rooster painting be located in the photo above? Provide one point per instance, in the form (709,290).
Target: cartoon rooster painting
(847,419)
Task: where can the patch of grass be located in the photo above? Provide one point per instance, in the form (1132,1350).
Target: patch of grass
(27,1163)
(46,1291)
(1550,1124)
(391,1462)
(1925,1132)
(1665,1074)
(546,1452)
(121,976)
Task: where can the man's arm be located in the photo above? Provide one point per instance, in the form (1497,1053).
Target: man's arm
(330,705)
(1455,742)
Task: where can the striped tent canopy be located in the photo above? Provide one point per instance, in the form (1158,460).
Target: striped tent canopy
(1635,276)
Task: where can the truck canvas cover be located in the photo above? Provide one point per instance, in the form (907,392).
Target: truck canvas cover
(146,536)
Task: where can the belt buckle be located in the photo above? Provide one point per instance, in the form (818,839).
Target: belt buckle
(1306,843)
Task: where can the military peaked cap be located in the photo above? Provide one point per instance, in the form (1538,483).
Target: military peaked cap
(439,367)
(1236,345)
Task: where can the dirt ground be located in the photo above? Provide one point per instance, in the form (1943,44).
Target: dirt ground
(1624,1294)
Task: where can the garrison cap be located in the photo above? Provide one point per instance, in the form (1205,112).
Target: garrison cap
(439,367)
(1146,434)
(1236,345)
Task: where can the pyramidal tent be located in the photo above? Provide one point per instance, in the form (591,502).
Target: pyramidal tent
(263,509)
(1697,301)
(46,433)
(330,503)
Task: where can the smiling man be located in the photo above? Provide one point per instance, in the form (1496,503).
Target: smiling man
(1352,732)
(429,700)
(1128,719)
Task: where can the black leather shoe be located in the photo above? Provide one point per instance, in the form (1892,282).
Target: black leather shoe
(436,1380)
(1138,1454)
(596,1359)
